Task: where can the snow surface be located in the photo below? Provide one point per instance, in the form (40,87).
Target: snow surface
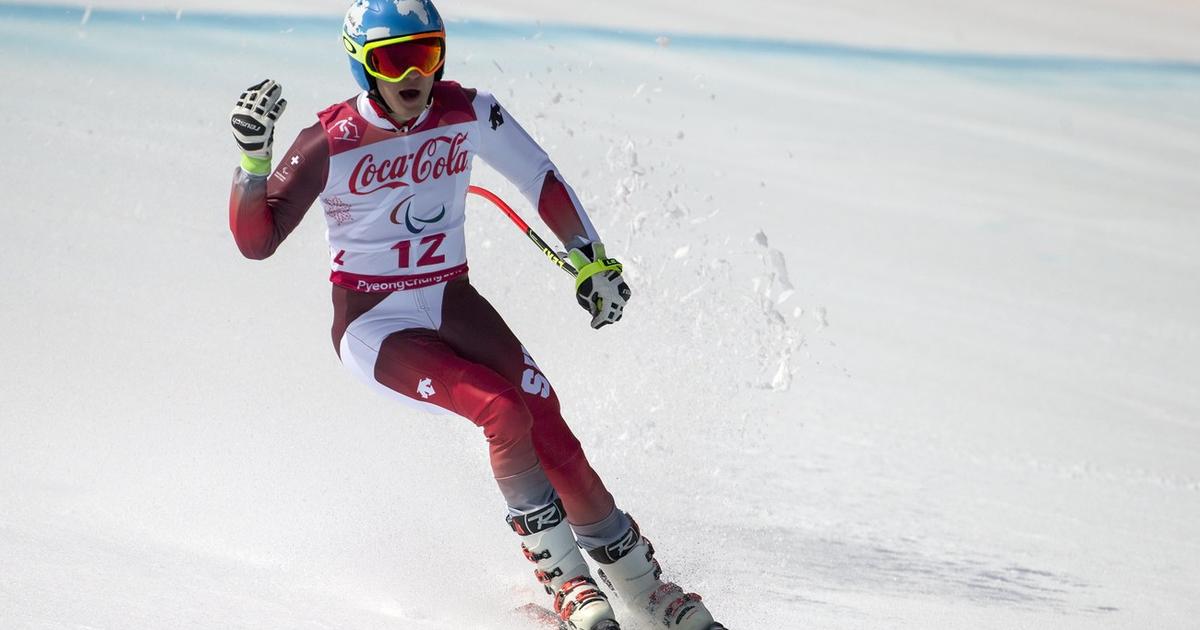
(1110,28)
(913,344)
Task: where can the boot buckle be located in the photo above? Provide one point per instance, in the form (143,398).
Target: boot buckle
(546,576)
(534,557)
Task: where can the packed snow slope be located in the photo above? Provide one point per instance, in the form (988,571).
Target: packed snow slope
(913,342)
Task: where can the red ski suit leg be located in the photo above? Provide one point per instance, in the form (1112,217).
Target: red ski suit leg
(473,365)
(469,389)
(477,332)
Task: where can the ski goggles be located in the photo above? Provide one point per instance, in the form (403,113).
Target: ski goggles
(394,58)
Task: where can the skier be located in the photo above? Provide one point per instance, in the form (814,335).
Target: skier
(391,167)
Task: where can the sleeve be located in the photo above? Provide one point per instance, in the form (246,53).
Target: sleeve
(506,147)
(263,210)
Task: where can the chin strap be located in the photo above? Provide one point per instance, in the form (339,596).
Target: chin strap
(381,105)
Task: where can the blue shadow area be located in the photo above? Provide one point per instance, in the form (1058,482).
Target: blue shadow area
(485,29)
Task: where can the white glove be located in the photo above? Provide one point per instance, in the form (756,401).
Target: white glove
(599,287)
(253,120)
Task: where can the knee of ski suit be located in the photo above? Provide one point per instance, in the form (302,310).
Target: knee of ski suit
(506,423)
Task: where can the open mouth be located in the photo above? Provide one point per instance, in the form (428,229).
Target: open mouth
(410,94)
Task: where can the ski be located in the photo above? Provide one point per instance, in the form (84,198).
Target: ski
(542,617)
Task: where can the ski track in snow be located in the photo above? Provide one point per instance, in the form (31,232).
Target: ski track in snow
(912,344)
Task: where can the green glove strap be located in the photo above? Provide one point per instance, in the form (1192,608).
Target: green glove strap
(256,166)
(588,267)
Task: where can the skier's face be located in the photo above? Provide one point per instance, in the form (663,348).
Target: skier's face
(408,97)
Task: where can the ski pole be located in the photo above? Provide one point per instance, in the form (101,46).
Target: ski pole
(533,236)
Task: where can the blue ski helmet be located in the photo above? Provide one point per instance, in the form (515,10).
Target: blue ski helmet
(370,20)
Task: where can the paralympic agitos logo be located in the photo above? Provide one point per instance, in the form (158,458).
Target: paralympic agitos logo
(410,221)
(429,162)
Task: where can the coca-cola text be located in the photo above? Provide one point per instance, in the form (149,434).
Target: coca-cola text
(428,163)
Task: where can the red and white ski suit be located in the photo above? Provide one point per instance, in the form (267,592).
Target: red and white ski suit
(406,319)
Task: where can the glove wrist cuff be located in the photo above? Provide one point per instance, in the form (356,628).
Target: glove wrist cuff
(595,267)
(256,166)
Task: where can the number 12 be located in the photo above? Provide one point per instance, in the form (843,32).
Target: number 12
(430,255)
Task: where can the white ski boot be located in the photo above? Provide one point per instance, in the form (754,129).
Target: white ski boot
(629,569)
(548,542)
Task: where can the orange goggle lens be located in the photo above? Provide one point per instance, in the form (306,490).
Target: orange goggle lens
(394,61)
